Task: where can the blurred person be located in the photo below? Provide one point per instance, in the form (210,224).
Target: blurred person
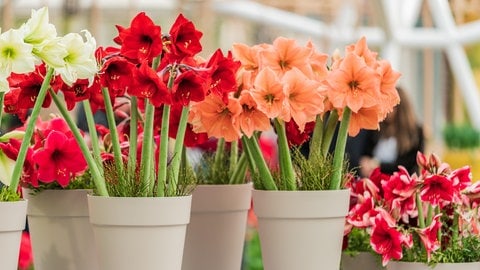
(396,143)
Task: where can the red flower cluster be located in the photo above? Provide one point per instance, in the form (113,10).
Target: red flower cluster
(395,208)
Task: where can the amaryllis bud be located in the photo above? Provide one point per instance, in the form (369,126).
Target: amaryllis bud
(421,160)
(434,161)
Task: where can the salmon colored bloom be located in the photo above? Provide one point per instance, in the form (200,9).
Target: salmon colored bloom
(268,93)
(365,118)
(251,119)
(218,119)
(285,54)
(361,49)
(353,84)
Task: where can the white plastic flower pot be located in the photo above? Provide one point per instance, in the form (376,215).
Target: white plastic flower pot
(12,224)
(392,265)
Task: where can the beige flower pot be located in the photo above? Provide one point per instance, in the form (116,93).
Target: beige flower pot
(301,229)
(60,231)
(12,224)
(216,233)
(139,232)
(362,260)
(442,266)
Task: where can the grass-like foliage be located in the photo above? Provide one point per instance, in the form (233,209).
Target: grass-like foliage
(6,195)
(211,172)
(467,251)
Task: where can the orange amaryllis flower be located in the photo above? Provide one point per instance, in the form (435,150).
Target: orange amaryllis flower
(365,118)
(216,118)
(353,84)
(361,49)
(284,54)
(318,63)
(303,98)
(251,119)
(389,94)
(268,93)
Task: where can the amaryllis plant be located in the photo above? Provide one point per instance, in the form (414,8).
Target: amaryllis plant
(145,84)
(298,92)
(430,217)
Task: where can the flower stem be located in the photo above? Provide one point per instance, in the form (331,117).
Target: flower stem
(284,156)
(178,148)
(266,177)
(22,153)
(239,173)
(421,216)
(233,157)
(219,156)
(339,154)
(163,152)
(146,168)
(132,151)
(97,175)
(92,131)
(2,96)
(454,239)
(329,132)
(317,137)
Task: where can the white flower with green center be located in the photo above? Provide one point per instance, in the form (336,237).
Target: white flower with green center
(15,55)
(6,168)
(3,83)
(43,36)
(80,60)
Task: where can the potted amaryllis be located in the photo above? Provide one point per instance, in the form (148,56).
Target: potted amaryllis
(421,221)
(294,89)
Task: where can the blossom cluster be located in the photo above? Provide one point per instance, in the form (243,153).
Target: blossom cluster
(426,212)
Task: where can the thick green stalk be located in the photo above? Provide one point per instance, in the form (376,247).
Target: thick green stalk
(248,153)
(146,164)
(264,172)
(316,139)
(92,131)
(284,157)
(112,126)
(240,170)
(22,153)
(163,152)
(132,150)
(430,212)
(421,216)
(339,153)
(97,175)
(455,230)
(233,157)
(177,150)
(329,131)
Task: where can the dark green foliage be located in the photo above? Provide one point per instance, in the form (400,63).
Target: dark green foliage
(462,136)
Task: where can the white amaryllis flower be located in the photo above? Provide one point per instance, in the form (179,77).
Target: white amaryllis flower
(3,83)
(80,60)
(43,36)
(15,55)
(6,168)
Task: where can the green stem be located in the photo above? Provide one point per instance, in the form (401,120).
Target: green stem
(264,173)
(219,157)
(317,137)
(339,154)
(177,150)
(92,131)
(112,126)
(430,212)
(329,132)
(98,178)
(248,153)
(284,157)
(163,152)
(22,153)
(146,168)
(240,170)
(2,95)
(421,216)
(132,151)
(454,239)
(233,157)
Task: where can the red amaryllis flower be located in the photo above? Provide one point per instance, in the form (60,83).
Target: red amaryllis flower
(25,258)
(376,178)
(10,104)
(223,80)
(461,178)
(59,160)
(386,240)
(116,74)
(184,38)
(80,90)
(189,86)
(399,191)
(142,41)
(295,136)
(362,214)
(436,189)
(29,174)
(429,236)
(149,85)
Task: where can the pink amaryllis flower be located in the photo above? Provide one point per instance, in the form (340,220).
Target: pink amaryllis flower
(429,236)
(436,189)
(386,239)
(399,192)
(59,159)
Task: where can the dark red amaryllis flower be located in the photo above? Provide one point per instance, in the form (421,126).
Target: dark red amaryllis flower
(116,74)
(190,85)
(386,240)
(149,85)
(29,173)
(184,38)
(295,136)
(223,69)
(10,104)
(80,90)
(436,189)
(59,159)
(377,177)
(142,40)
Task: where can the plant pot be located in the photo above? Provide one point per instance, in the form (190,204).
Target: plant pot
(362,260)
(392,265)
(12,224)
(216,233)
(60,231)
(139,232)
(301,229)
